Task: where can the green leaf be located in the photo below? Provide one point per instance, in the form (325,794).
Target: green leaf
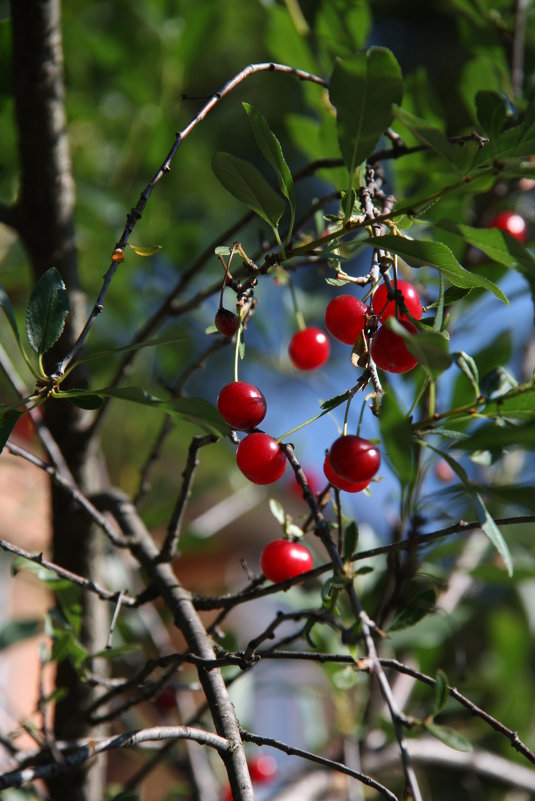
(497,437)
(351,536)
(8,421)
(5,304)
(420,253)
(519,404)
(499,246)
(332,403)
(88,401)
(420,606)
(429,347)
(397,438)
(18,630)
(363,89)
(468,367)
(441,691)
(276,509)
(429,135)
(492,531)
(272,150)
(194,410)
(448,736)
(243,180)
(511,144)
(47,311)
(493,109)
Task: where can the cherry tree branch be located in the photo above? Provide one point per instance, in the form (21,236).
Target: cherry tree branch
(136,213)
(71,759)
(319,760)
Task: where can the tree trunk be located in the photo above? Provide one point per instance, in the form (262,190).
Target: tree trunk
(43,217)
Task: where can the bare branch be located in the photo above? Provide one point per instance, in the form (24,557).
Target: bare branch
(319,760)
(71,759)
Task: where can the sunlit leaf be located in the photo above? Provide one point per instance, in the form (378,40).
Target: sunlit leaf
(362,89)
(419,253)
(145,251)
(244,181)
(271,148)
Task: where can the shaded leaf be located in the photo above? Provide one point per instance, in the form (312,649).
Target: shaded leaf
(351,536)
(194,410)
(429,135)
(47,311)
(5,304)
(8,421)
(493,532)
(441,691)
(18,630)
(420,253)
(243,180)
(397,437)
(493,109)
(420,605)
(448,736)
(511,144)
(363,89)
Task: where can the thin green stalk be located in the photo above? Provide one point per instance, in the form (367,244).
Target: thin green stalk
(344,430)
(237,349)
(300,320)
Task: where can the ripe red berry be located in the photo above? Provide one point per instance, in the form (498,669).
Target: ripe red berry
(282,560)
(260,458)
(345,317)
(339,482)
(309,348)
(241,405)
(354,458)
(384,308)
(389,352)
(226,322)
(262,769)
(511,222)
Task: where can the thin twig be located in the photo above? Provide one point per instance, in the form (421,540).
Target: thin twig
(70,487)
(319,760)
(18,778)
(136,213)
(170,545)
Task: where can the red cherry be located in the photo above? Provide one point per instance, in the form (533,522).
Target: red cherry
(384,308)
(389,352)
(339,482)
(241,405)
(165,701)
(226,322)
(309,349)
(263,769)
(282,560)
(345,317)
(260,458)
(511,222)
(354,458)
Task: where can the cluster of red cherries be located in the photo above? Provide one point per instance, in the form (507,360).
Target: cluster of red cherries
(352,461)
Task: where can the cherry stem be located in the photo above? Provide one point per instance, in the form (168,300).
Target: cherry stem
(300,320)
(237,348)
(344,430)
(361,416)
